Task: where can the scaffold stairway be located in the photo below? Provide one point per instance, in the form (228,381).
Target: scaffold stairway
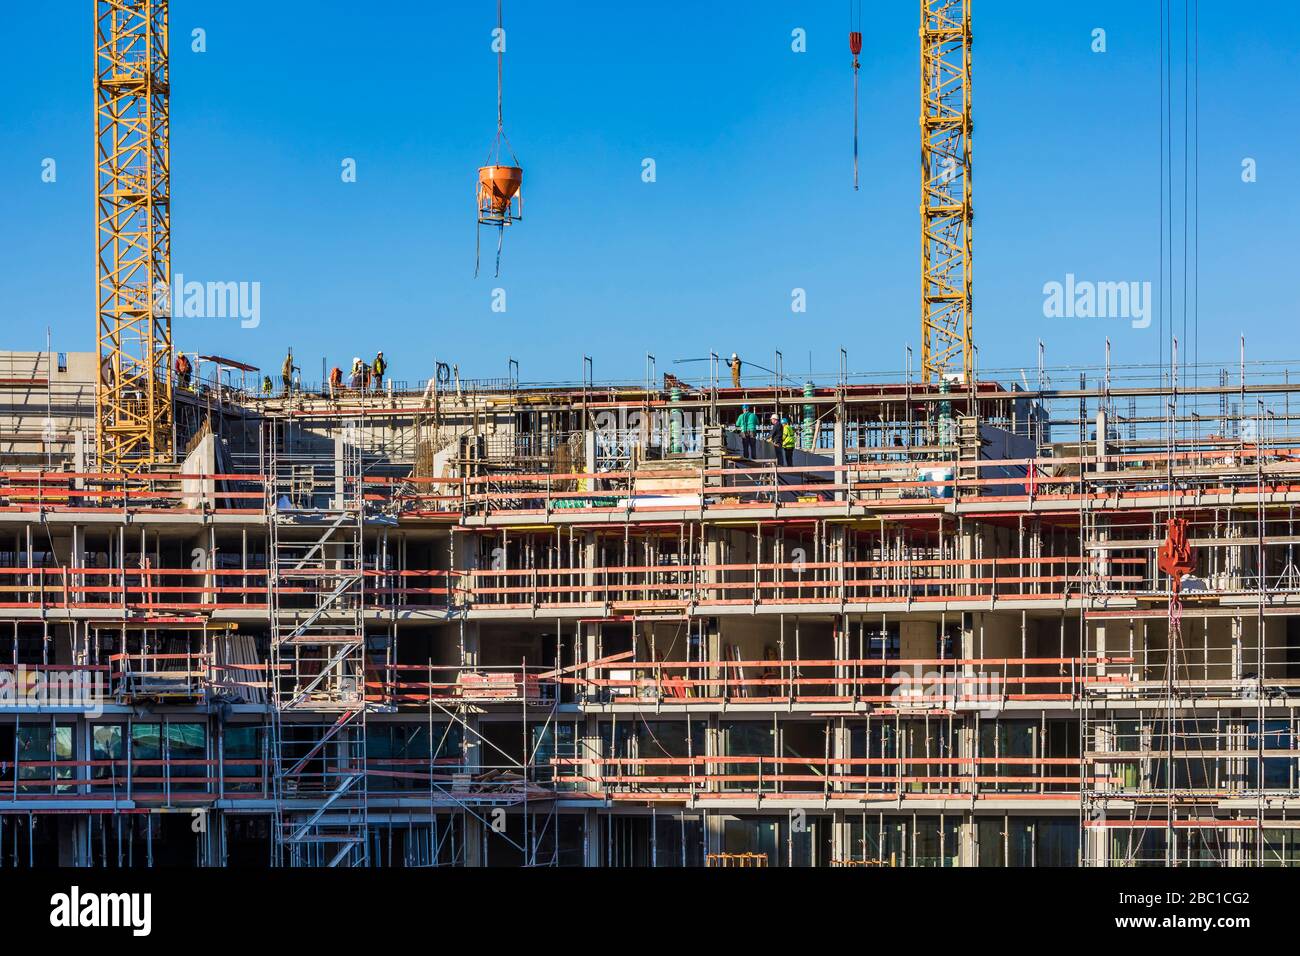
(316,517)
(321,799)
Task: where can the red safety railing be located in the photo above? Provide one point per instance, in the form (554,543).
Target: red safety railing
(832,778)
(421,684)
(909,685)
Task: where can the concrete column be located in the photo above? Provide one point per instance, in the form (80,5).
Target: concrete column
(836,552)
(339,453)
(839,453)
(840,844)
(1095,840)
(967,550)
(589,563)
(1099,644)
(1238,650)
(473,748)
(714,554)
(464,556)
(970,642)
(591,855)
(713,827)
(589,746)
(968,853)
(841,748)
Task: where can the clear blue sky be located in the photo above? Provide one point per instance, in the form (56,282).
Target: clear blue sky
(753,198)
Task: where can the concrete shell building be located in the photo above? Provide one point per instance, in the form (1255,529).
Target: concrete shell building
(483,623)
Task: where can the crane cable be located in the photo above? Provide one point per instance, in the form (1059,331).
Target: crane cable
(501,49)
(855,47)
(501,123)
(494,152)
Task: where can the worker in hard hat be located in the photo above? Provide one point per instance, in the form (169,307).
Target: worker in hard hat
(379,367)
(356,372)
(735,370)
(787,442)
(774,434)
(747,425)
(286,372)
(183,370)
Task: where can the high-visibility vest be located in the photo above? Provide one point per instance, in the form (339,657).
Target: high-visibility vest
(787,436)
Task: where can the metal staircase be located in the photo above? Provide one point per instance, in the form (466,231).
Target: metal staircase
(316,515)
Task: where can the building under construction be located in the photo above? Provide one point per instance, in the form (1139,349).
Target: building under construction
(964,618)
(482,623)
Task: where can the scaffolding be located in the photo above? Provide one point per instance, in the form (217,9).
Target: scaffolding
(318,661)
(920,644)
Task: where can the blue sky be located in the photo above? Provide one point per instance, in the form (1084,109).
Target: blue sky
(753,194)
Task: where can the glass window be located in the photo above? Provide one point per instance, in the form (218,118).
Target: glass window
(679,841)
(1136,846)
(752,836)
(242,757)
(1279,772)
(40,748)
(389,756)
(108,751)
(554,741)
(1281,847)
(937,842)
(448,744)
(1005,739)
(187,755)
(992,842)
(147,771)
(884,643)
(1020,841)
(747,738)
(1057,842)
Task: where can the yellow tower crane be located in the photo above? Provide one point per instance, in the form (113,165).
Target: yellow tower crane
(133,399)
(946,344)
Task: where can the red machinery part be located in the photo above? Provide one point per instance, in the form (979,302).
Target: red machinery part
(1175,557)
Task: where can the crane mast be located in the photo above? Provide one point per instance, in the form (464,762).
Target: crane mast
(133,399)
(946,344)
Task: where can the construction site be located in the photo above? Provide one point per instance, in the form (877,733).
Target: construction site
(956,617)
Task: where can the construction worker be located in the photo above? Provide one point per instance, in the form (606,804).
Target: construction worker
(356,372)
(747,425)
(787,442)
(267,387)
(735,370)
(286,372)
(378,368)
(774,433)
(183,370)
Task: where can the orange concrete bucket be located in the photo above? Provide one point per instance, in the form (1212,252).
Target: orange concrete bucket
(497,187)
